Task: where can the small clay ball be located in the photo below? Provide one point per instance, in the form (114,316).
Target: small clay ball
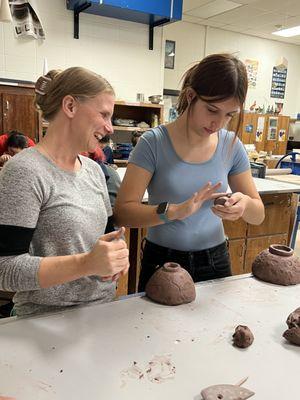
(242,336)
(220,201)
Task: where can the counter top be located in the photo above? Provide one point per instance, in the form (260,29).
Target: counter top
(89,352)
(264,186)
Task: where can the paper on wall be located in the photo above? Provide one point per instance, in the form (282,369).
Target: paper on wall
(25,19)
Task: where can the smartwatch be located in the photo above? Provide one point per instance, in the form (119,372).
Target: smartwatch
(162,210)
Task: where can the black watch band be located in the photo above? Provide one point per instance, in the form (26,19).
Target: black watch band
(162,210)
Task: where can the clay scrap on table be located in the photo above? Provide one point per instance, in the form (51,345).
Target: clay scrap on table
(277,265)
(293,333)
(226,392)
(242,336)
(171,285)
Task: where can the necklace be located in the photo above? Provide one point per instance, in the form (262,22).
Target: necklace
(54,159)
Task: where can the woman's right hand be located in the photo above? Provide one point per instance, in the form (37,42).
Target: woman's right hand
(109,256)
(191,205)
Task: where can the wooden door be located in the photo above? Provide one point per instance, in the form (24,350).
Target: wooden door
(271,134)
(260,132)
(283,132)
(237,249)
(278,213)
(19,114)
(248,128)
(255,245)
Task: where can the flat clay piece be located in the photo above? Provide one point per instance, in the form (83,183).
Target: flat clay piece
(171,285)
(220,201)
(242,336)
(226,392)
(293,333)
(277,265)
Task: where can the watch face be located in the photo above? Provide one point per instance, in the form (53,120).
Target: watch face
(162,208)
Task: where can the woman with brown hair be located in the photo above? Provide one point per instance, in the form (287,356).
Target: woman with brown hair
(184,166)
(55,204)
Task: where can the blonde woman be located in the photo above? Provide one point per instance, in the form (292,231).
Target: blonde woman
(55,206)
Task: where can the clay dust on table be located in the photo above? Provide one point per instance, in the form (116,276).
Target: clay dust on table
(158,370)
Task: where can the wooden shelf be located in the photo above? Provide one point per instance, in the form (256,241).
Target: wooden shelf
(129,128)
(149,105)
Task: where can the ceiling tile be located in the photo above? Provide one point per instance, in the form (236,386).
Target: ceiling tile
(190,4)
(213,8)
(244,12)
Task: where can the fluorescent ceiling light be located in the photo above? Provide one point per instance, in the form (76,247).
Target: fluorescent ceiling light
(289,32)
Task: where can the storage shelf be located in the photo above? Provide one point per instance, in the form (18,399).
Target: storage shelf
(129,128)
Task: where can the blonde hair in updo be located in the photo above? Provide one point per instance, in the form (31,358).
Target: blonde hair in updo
(77,82)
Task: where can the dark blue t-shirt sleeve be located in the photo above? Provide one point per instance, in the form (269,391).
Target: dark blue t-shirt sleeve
(144,154)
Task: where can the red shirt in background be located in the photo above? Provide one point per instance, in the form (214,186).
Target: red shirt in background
(3,143)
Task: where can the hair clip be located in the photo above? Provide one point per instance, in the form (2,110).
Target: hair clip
(41,85)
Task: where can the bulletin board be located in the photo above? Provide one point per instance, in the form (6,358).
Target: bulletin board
(278,82)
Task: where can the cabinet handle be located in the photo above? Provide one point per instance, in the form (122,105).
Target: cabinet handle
(7,105)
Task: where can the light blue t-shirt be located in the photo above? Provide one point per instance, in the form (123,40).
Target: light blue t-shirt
(175,180)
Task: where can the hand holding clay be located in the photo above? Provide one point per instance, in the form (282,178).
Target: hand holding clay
(191,205)
(230,207)
(109,256)
(242,336)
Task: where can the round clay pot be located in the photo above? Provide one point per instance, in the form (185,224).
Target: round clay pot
(171,285)
(277,265)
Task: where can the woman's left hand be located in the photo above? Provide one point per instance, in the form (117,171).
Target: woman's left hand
(233,208)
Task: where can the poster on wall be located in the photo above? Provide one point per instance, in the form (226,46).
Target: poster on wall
(170,54)
(252,68)
(278,82)
(25,19)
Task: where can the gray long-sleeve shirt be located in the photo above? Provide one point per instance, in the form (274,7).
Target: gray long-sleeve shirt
(62,213)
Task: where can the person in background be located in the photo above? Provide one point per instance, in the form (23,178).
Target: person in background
(107,150)
(54,252)
(135,137)
(15,143)
(184,166)
(5,136)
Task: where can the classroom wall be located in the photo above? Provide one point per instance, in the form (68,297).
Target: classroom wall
(194,41)
(116,49)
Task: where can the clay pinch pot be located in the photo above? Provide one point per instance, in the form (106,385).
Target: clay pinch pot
(220,201)
(171,285)
(278,265)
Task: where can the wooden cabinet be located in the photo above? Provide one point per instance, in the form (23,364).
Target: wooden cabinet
(246,241)
(268,132)
(18,111)
(237,248)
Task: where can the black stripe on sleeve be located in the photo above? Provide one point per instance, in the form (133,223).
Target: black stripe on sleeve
(110,227)
(14,240)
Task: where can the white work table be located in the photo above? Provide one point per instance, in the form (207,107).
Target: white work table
(264,186)
(80,354)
